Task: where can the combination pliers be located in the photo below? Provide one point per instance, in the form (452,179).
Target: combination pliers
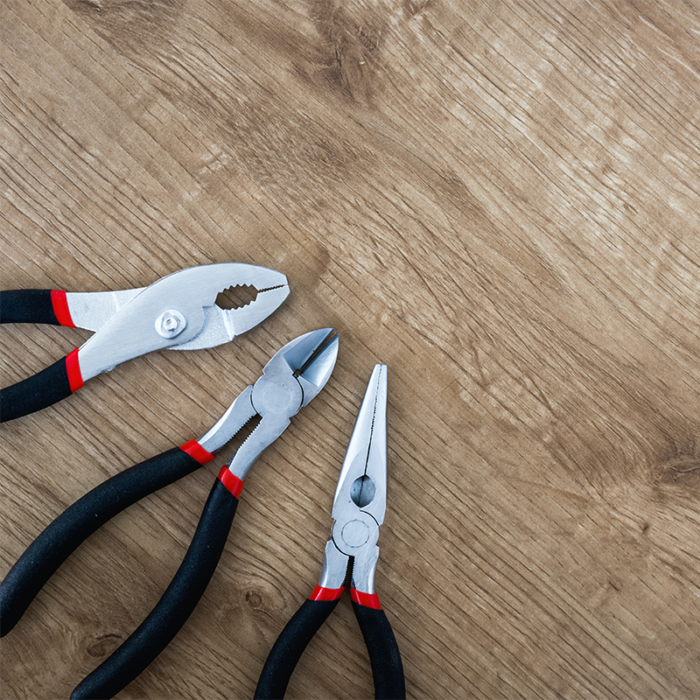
(359,506)
(290,380)
(178,312)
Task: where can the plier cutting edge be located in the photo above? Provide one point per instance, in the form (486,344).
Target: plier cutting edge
(178,312)
(290,380)
(359,506)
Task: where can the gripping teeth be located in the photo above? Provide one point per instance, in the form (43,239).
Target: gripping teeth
(244,432)
(236,297)
(235,310)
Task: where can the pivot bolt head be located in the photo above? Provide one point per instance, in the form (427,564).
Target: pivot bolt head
(170,323)
(355,533)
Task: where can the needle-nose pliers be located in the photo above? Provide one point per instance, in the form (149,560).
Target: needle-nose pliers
(290,380)
(358,511)
(178,311)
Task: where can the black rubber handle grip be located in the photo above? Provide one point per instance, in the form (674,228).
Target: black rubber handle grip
(289,647)
(174,607)
(63,536)
(384,655)
(44,389)
(27,306)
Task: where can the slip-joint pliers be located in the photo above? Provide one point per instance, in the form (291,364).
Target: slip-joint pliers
(290,380)
(177,312)
(359,506)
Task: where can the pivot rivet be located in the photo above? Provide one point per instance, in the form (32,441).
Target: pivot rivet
(170,323)
(355,533)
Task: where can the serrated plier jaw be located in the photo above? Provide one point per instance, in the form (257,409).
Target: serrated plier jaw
(178,312)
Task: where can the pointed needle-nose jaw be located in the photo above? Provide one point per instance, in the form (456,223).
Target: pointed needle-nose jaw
(363,477)
(360,497)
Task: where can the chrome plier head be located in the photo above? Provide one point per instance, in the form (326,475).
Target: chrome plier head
(290,380)
(359,504)
(178,312)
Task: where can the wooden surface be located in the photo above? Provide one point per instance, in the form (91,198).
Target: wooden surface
(500,201)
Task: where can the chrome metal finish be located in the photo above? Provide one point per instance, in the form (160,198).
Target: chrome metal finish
(335,566)
(351,536)
(236,416)
(364,567)
(267,431)
(314,376)
(366,456)
(91,310)
(222,325)
(131,330)
(170,323)
(359,504)
(278,395)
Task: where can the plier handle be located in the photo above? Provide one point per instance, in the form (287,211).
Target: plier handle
(178,312)
(359,506)
(290,380)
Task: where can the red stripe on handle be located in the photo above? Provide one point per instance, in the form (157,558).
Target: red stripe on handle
(231,482)
(60,308)
(366,600)
(196,451)
(321,593)
(75,377)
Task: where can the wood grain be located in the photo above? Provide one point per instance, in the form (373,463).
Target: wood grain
(498,200)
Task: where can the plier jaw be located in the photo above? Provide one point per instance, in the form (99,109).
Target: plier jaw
(359,503)
(180,312)
(363,476)
(290,380)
